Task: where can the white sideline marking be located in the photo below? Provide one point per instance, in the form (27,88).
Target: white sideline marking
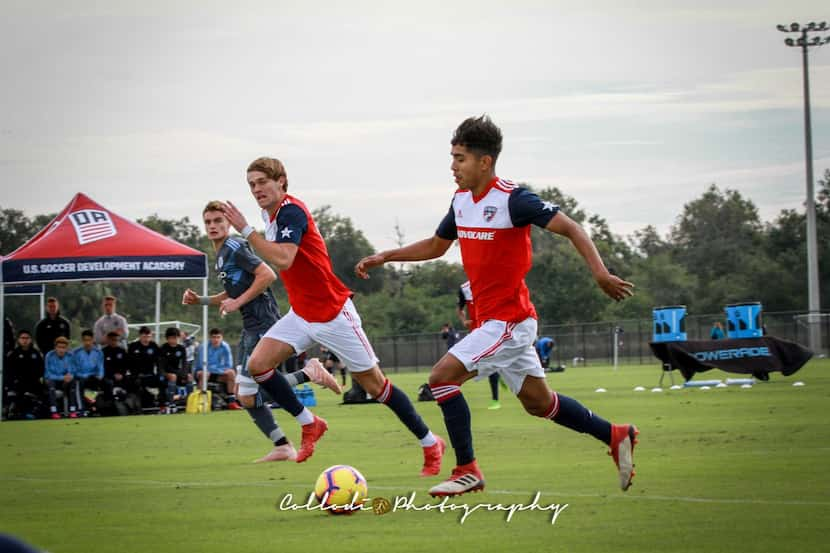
(84,484)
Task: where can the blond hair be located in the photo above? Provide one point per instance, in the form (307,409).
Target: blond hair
(272,167)
(213,205)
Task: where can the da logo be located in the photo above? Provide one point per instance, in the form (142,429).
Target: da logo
(92,225)
(490,212)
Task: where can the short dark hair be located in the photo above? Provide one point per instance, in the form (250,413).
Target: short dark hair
(145,330)
(479,135)
(51,299)
(215,331)
(22,332)
(172,331)
(87,332)
(113,334)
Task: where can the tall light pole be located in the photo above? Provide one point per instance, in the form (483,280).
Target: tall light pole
(805,41)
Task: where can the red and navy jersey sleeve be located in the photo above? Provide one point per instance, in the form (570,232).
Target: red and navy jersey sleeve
(527,208)
(292,224)
(447,229)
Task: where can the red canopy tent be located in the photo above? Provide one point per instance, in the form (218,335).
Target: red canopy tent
(86,241)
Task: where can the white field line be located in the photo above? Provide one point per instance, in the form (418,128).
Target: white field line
(85,484)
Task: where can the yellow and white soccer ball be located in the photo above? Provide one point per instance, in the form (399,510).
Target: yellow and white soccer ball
(341,489)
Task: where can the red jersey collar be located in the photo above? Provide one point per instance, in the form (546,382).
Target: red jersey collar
(487,189)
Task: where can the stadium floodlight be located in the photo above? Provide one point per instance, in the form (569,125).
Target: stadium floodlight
(814,305)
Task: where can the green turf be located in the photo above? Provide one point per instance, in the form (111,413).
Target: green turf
(717,470)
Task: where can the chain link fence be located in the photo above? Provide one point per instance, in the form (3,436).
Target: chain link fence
(591,343)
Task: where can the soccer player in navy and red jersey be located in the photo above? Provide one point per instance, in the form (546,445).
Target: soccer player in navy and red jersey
(491,218)
(321,311)
(246,282)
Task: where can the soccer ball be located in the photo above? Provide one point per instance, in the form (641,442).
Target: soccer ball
(341,489)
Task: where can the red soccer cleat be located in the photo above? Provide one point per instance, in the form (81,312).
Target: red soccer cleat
(234,406)
(55,416)
(73,415)
(432,457)
(311,433)
(623,440)
(465,478)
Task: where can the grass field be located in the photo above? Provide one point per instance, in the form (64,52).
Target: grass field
(718,470)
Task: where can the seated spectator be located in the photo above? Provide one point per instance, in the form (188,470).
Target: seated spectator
(173,363)
(51,326)
(143,356)
(117,374)
(219,366)
(24,368)
(58,374)
(88,362)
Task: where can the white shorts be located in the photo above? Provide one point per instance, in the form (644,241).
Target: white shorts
(505,348)
(247,385)
(343,335)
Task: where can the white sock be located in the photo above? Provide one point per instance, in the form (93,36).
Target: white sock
(428,440)
(305,417)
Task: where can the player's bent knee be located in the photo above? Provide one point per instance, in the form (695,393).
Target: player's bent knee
(537,410)
(371,381)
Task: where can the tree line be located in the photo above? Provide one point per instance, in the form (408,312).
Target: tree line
(718,251)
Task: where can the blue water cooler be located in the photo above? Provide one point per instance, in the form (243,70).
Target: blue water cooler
(669,323)
(743,320)
(306,395)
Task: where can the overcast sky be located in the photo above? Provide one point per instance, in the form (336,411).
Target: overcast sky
(633,108)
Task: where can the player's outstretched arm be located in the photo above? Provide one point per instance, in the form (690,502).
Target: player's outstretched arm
(192,298)
(612,285)
(423,250)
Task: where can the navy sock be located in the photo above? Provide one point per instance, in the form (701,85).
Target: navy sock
(570,413)
(494,386)
(457,418)
(402,406)
(279,389)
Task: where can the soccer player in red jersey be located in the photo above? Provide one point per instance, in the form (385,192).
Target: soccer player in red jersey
(321,311)
(491,218)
